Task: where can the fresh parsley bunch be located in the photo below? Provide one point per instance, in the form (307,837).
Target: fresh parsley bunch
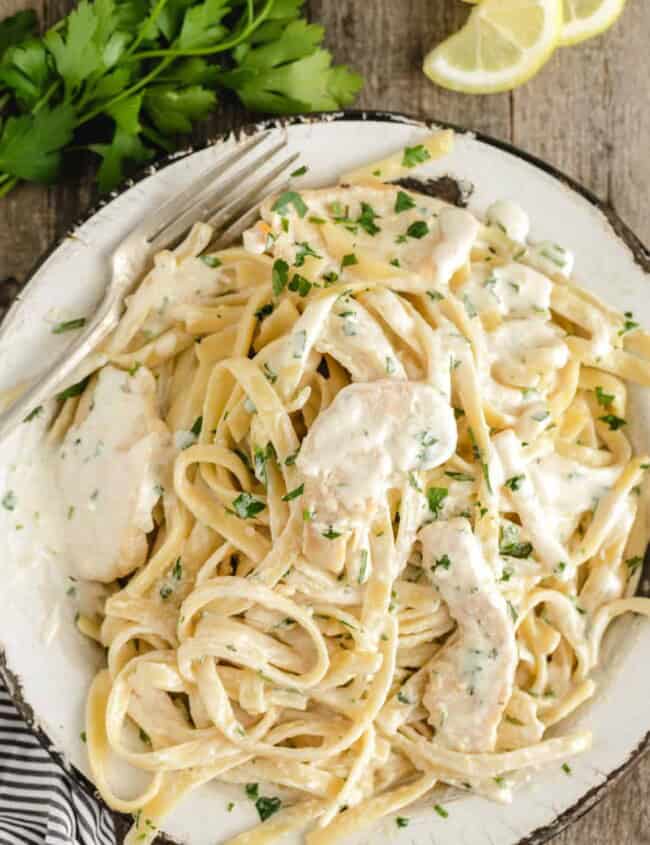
(125,78)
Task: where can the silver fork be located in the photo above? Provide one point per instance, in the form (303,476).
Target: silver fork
(225,196)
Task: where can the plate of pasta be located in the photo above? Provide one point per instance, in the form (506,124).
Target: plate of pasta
(341,533)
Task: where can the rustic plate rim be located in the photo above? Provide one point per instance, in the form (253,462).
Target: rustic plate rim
(639,251)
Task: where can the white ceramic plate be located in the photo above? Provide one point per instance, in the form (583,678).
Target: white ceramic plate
(50,679)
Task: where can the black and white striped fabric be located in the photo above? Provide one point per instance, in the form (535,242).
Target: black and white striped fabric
(39,803)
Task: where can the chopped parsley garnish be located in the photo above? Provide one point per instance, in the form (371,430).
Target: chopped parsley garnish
(367,219)
(560,568)
(417,229)
(330,278)
(513,548)
(293,494)
(604,399)
(330,534)
(211,260)
(478,455)
(395,262)
(290,460)
(83,736)
(402,821)
(513,612)
(231,806)
(363,566)
(9,500)
(300,284)
(459,476)
(566,768)
(514,483)
(435,497)
(470,308)
(441,811)
(633,563)
(317,221)
(414,482)
(304,249)
(403,202)
(403,698)
(264,311)
(613,421)
(629,324)
(434,295)
(415,155)
(269,373)
(197,426)
(177,570)
(442,563)
(299,172)
(252,791)
(144,736)
(246,506)
(279,275)
(165,592)
(266,807)
(282,203)
(69,325)
(349,260)
(33,414)
(74,390)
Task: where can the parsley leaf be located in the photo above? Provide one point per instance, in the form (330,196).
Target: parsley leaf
(266,807)
(30,145)
(279,276)
(174,109)
(17,28)
(246,506)
(158,54)
(415,155)
(291,73)
(436,497)
(69,325)
(604,399)
(403,202)
(613,421)
(418,229)
(282,203)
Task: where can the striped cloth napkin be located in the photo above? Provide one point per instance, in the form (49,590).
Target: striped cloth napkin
(39,802)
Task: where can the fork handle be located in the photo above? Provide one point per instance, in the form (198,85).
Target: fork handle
(105,319)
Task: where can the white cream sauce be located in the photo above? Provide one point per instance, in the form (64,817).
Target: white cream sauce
(358,343)
(471,680)
(511,218)
(108,475)
(368,440)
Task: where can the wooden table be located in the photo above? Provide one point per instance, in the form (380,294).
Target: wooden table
(587,113)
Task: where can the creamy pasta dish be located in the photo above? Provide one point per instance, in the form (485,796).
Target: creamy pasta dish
(361,496)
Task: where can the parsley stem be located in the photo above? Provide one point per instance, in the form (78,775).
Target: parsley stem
(46,96)
(8,186)
(144,28)
(175,53)
(104,106)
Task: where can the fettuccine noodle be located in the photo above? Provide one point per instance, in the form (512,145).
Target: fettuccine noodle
(366,504)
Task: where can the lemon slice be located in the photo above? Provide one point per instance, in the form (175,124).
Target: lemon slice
(585,18)
(503,43)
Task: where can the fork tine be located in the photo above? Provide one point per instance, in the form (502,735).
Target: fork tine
(239,226)
(205,203)
(229,214)
(178,203)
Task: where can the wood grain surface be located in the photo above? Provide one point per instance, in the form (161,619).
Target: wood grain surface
(587,112)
